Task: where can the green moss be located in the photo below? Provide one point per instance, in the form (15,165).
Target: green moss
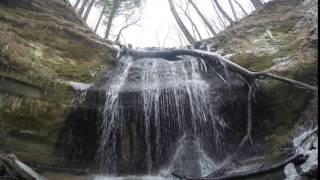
(61,94)
(31,114)
(279,109)
(44,52)
(253,62)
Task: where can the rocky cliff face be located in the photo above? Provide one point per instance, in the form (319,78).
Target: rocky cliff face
(44,48)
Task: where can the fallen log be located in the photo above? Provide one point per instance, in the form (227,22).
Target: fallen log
(205,55)
(251,173)
(20,169)
(172,55)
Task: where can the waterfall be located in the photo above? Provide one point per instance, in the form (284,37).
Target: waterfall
(179,116)
(111,115)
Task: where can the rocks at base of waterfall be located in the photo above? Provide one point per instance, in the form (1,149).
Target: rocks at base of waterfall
(186,159)
(306,144)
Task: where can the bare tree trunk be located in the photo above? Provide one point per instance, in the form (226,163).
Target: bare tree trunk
(134,22)
(100,18)
(233,10)
(242,9)
(86,14)
(221,20)
(222,11)
(120,32)
(256,3)
(204,19)
(183,28)
(81,10)
(194,26)
(111,17)
(75,6)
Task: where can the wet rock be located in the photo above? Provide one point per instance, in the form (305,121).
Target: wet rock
(186,160)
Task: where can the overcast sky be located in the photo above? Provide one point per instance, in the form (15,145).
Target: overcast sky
(158,27)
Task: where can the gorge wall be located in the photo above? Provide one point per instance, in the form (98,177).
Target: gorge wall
(44,49)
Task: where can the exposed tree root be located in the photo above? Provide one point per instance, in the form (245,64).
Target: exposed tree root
(244,140)
(251,173)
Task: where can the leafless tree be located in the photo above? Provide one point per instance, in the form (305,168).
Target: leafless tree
(115,6)
(203,18)
(222,11)
(180,23)
(119,8)
(240,6)
(233,10)
(75,6)
(100,17)
(187,15)
(166,37)
(87,12)
(131,20)
(221,20)
(179,36)
(83,6)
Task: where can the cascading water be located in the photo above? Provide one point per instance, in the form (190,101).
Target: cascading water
(112,116)
(173,120)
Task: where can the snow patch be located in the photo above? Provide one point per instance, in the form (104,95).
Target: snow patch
(306,144)
(79,86)
(291,172)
